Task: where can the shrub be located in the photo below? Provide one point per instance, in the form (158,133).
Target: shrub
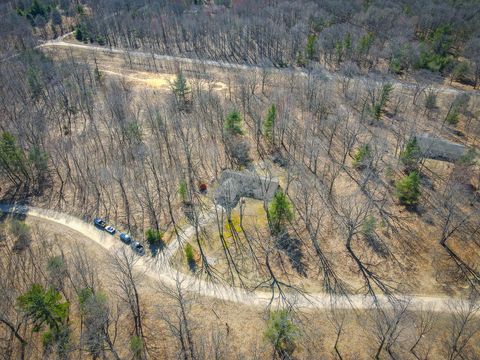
(395,65)
(280,212)
(431,101)
(182,191)
(80,9)
(460,105)
(378,107)
(55,264)
(433,62)
(189,254)
(389,173)
(44,307)
(460,71)
(310,49)
(154,237)
(410,155)
(408,188)
(12,158)
(233,123)
(84,296)
(48,339)
(59,340)
(452,117)
(461,102)
(21,232)
(369,226)
(36,10)
(133,132)
(435,50)
(182,91)
(401,59)
(81,32)
(365,43)
(282,333)
(56,271)
(180,87)
(300,60)
(269,122)
(136,345)
(362,156)
(468,159)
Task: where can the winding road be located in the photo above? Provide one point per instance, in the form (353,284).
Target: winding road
(60,42)
(161,270)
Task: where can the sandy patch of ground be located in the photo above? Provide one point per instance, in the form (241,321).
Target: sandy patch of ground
(158,81)
(116,65)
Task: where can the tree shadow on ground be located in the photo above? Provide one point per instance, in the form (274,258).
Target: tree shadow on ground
(5,215)
(16,195)
(156,247)
(377,245)
(292,248)
(192,266)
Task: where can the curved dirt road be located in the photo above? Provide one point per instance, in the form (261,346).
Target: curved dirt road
(59,42)
(161,270)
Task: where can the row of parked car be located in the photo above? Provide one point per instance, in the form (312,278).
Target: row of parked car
(125,238)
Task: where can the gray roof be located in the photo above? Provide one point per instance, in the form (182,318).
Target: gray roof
(440,149)
(236,184)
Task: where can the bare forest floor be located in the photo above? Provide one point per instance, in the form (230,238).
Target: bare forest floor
(418,266)
(121,148)
(231,328)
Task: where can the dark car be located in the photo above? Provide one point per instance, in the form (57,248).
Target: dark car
(125,238)
(99,222)
(138,248)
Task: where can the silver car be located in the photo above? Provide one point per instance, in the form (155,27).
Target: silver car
(138,247)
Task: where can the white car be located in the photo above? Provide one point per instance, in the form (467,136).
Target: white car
(110,229)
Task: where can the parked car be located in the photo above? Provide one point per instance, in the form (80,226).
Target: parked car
(110,229)
(125,238)
(138,247)
(99,222)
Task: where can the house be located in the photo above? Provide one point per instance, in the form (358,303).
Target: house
(236,184)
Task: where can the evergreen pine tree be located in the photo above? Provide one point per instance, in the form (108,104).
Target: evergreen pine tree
(269,123)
